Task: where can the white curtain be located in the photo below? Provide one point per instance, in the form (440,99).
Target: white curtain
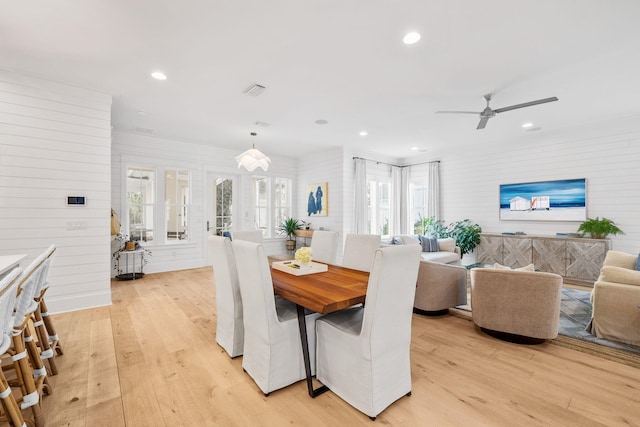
(400,202)
(433,192)
(360,211)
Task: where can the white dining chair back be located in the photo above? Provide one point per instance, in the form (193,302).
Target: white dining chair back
(359,250)
(248,235)
(324,246)
(229,326)
(363,352)
(272,347)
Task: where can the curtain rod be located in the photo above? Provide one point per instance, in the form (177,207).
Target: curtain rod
(391,164)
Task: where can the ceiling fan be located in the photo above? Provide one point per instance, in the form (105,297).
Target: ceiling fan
(488,112)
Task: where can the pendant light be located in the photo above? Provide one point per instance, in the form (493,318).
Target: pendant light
(253,158)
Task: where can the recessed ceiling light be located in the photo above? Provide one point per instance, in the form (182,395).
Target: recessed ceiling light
(158,75)
(142,113)
(363,133)
(527,125)
(411,38)
(321,122)
(414,148)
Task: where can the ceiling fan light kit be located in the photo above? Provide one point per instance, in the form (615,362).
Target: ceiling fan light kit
(488,112)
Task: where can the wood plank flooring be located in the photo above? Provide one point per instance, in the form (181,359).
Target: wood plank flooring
(151,359)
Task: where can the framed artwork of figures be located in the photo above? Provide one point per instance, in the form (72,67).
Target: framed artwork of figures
(318,199)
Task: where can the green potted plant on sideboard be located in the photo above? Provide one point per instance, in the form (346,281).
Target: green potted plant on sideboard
(289,227)
(599,228)
(466,233)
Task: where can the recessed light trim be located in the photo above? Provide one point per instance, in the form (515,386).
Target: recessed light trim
(527,125)
(363,133)
(411,38)
(159,75)
(321,122)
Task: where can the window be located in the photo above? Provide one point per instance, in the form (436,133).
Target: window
(379,191)
(140,203)
(271,203)
(177,201)
(418,205)
(224,205)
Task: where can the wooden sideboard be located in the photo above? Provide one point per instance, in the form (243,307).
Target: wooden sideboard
(576,259)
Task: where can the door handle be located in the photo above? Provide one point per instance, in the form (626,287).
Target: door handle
(208,228)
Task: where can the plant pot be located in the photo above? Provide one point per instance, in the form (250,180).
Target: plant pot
(130,246)
(290,244)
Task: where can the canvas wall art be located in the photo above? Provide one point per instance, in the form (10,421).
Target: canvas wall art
(562,200)
(318,199)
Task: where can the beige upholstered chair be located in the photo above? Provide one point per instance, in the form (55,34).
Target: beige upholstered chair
(440,286)
(272,353)
(363,352)
(229,326)
(525,303)
(248,235)
(324,246)
(359,250)
(616,300)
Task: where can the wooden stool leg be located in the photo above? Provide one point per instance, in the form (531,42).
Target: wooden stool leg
(43,341)
(48,323)
(25,374)
(11,409)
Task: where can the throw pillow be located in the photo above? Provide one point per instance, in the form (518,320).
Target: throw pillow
(409,239)
(429,243)
(638,263)
(448,244)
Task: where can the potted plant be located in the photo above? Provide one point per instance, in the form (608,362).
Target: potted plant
(599,228)
(466,233)
(289,227)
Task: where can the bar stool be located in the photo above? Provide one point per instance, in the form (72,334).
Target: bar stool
(8,292)
(43,325)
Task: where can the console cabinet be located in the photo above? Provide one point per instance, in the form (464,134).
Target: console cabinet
(575,259)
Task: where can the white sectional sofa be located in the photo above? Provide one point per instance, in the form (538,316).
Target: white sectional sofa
(447,253)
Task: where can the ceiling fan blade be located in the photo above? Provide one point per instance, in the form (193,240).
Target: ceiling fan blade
(526,104)
(457,112)
(483,122)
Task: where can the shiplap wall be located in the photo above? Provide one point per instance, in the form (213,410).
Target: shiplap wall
(55,141)
(132,149)
(607,156)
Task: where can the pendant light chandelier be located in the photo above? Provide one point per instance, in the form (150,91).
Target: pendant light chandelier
(253,158)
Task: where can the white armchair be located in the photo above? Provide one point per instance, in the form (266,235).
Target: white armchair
(229,326)
(363,352)
(248,235)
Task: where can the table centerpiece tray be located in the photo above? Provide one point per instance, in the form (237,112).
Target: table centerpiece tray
(299,269)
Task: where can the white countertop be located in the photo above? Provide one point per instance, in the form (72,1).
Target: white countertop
(9,262)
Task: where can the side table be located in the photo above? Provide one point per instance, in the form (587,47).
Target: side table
(129,264)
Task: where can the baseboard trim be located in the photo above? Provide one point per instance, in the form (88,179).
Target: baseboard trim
(66,303)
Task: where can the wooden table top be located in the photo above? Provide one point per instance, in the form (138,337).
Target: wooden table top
(325,292)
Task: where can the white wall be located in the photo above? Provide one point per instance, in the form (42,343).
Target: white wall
(133,149)
(55,141)
(607,155)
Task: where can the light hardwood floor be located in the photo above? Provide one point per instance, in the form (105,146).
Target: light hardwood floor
(151,359)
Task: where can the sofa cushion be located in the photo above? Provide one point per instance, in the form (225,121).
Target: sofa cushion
(448,244)
(406,239)
(442,256)
(611,273)
(529,267)
(429,243)
(638,263)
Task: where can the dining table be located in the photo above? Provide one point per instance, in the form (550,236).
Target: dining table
(324,292)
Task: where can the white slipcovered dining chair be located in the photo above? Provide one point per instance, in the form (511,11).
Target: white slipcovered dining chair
(359,250)
(324,246)
(363,352)
(272,346)
(248,235)
(229,326)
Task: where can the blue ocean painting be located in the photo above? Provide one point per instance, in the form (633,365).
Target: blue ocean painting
(567,200)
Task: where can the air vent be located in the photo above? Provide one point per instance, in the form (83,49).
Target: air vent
(262,124)
(254,90)
(145,131)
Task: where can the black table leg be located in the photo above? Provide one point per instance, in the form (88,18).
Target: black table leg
(302,324)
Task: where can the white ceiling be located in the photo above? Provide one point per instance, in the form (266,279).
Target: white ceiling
(338,60)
